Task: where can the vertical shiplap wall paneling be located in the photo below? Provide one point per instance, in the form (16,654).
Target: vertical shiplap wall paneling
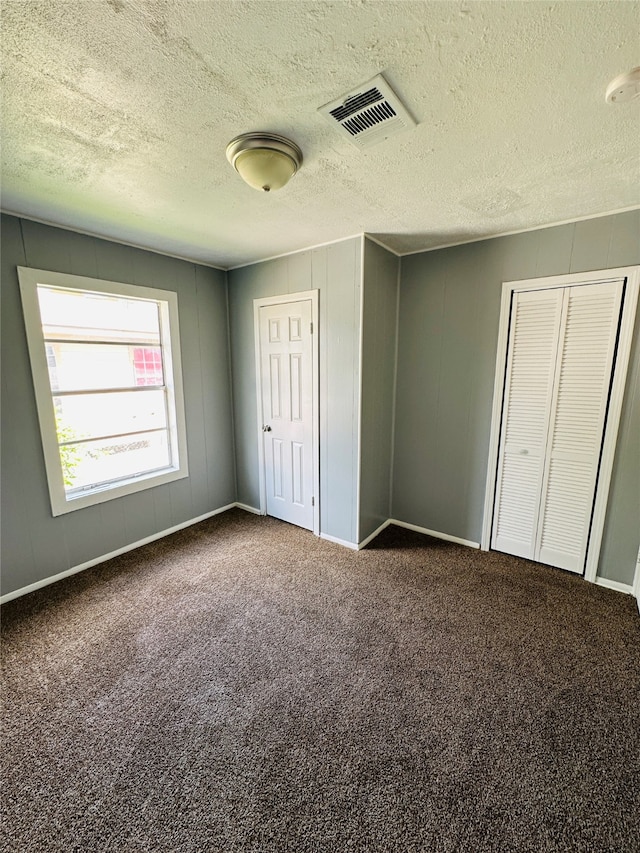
(335,271)
(15,374)
(380,282)
(245,285)
(446,364)
(341,361)
(53,547)
(35,544)
(211,292)
(459,342)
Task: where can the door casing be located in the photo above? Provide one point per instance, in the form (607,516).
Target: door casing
(302,296)
(632,276)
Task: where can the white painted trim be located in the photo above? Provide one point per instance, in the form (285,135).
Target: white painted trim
(381,244)
(436,535)
(258,368)
(632,275)
(202,263)
(296,251)
(373,535)
(102,559)
(167,303)
(248,508)
(618,587)
(351,545)
(570,279)
(636,582)
(612,423)
(262,302)
(424,530)
(359,402)
(522,230)
(98,236)
(496,416)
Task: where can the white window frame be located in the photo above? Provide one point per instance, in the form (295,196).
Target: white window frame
(170,333)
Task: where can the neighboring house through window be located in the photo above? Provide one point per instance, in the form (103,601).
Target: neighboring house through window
(105,359)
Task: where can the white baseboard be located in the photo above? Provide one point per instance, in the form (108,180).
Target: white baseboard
(405,524)
(351,545)
(248,508)
(435,533)
(373,535)
(619,587)
(9,596)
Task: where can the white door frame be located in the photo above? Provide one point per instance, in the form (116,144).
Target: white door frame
(632,275)
(301,296)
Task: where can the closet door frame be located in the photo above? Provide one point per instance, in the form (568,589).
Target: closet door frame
(632,276)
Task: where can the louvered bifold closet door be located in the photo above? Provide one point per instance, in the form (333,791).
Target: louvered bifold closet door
(528,394)
(583,377)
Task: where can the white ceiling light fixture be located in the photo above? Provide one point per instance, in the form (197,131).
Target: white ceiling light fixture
(624,88)
(265,161)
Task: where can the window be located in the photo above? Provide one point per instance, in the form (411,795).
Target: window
(105,359)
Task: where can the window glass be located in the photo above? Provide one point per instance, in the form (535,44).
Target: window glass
(110,436)
(93,463)
(105,359)
(86,366)
(85,416)
(74,314)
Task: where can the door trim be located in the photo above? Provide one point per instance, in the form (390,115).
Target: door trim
(632,276)
(301,296)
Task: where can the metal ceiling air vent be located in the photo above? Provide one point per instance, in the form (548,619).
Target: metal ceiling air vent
(369,114)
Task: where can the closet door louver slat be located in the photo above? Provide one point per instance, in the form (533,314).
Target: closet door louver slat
(535,322)
(585,362)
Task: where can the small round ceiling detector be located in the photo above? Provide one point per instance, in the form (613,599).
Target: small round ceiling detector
(624,88)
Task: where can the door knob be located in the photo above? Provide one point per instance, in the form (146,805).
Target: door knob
(266,428)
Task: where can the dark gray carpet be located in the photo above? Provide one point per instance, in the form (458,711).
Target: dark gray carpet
(244,686)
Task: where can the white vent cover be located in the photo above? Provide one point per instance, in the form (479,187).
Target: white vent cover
(369,114)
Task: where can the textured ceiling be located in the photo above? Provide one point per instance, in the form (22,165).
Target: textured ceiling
(116,116)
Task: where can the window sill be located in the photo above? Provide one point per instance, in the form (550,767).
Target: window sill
(101,494)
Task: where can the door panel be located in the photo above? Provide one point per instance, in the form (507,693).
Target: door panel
(560,364)
(533,336)
(585,361)
(287,404)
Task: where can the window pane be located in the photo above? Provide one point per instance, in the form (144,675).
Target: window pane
(95,415)
(84,367)
(114,458)
(79,315)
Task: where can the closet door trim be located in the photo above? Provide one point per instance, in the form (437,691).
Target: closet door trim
(631,276)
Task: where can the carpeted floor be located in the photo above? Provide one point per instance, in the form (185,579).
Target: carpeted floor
(244,686)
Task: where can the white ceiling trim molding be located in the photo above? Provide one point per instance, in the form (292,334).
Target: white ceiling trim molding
(520,231)
(296,251)
(383,245)
(99,236)
(364,234)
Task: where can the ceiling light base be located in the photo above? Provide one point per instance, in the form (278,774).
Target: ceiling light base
(265,161)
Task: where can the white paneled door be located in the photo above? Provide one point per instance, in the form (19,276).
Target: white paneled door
(286,376)
(559,367)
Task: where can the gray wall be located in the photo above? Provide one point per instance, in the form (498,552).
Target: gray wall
(380,295)
(36,545)
(335,271)
(448,326)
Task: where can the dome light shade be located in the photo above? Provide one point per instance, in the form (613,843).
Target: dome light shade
(265,161)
